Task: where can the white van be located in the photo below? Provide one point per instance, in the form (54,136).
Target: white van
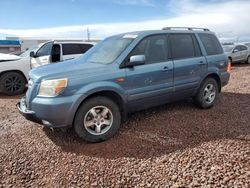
(14,73)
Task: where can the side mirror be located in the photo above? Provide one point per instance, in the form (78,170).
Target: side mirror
(32,54)
(136,60)
(235,50)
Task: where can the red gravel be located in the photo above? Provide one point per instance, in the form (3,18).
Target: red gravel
(172,145)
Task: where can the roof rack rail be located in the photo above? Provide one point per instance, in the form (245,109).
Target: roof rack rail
(185,28)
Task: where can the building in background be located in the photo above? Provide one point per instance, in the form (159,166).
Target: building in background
(26,43)
(10,46)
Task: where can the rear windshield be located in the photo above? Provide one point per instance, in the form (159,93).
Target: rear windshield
(211,44)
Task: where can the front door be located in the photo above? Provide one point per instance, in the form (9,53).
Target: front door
(42,56)
(150,84)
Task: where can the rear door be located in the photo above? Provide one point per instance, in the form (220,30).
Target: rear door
(71,51)
(150,84)
(213,51)
(244,52)
(43,55)
(189,64)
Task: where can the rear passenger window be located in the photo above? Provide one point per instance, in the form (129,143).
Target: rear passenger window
(243,48)
(211,44)
(69,49)
(153,47)
(184,46)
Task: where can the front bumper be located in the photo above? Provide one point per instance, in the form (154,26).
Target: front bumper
(29,115)
(32,116)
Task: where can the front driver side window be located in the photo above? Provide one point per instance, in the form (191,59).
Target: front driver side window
(45,49)
(153,47)
(237,48)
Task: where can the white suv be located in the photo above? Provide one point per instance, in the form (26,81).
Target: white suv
(14,73)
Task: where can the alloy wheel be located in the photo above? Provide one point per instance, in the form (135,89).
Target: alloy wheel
(98,120)
(209,93)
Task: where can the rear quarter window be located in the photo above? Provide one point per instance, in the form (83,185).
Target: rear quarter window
(211,44)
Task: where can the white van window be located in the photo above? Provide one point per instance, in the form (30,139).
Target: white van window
(70,49)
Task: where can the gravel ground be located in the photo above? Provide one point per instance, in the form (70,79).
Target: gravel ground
(176,145)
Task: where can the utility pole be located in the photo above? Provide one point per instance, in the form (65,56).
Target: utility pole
(88,34)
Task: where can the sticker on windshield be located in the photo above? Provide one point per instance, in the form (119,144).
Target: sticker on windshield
(130,36)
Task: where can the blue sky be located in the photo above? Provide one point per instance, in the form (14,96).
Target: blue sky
(70,18)
(23,14)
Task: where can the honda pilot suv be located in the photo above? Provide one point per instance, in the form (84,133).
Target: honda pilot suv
(123,74)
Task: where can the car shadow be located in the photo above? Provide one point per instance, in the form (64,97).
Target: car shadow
(243,64)
(2,96)
(166,129)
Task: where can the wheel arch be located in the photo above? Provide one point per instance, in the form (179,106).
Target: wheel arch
(216,77)
(111,94)
(17,71)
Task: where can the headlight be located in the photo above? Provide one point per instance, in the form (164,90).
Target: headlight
(51,88)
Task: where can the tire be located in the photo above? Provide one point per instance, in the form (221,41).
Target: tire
(12,83)
(248,60)
(97,119)
(207,94)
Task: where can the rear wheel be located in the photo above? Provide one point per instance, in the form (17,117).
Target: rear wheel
(98,119)
(248,60)
(207,94)
(12,83)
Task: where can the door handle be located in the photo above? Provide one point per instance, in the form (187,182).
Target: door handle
(164,69)
(202,63)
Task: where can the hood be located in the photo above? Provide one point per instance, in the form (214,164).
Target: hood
(68,69)
(8,57)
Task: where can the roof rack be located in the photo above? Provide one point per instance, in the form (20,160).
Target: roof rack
(185,28)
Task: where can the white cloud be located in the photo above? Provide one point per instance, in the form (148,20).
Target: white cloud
(229,19)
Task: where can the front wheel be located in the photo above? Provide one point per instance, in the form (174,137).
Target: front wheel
(98,119)
(207,94)
(12,83)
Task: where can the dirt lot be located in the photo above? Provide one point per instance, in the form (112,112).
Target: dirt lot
(172,145)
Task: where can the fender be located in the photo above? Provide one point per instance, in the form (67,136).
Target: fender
(20,65)
(93,88)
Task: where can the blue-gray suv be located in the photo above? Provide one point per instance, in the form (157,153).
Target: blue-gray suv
(123,74)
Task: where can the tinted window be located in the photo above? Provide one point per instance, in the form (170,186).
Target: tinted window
(211,44)
(69,49)
(184,46)
(243,48)
(85,47)
(237,48)
(154,48)
(45,49)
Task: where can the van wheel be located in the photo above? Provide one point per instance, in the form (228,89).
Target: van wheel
(97,119)
(207,94)
(12,83)
(248,60)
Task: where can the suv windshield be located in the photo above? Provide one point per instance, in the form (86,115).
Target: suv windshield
(108,50)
